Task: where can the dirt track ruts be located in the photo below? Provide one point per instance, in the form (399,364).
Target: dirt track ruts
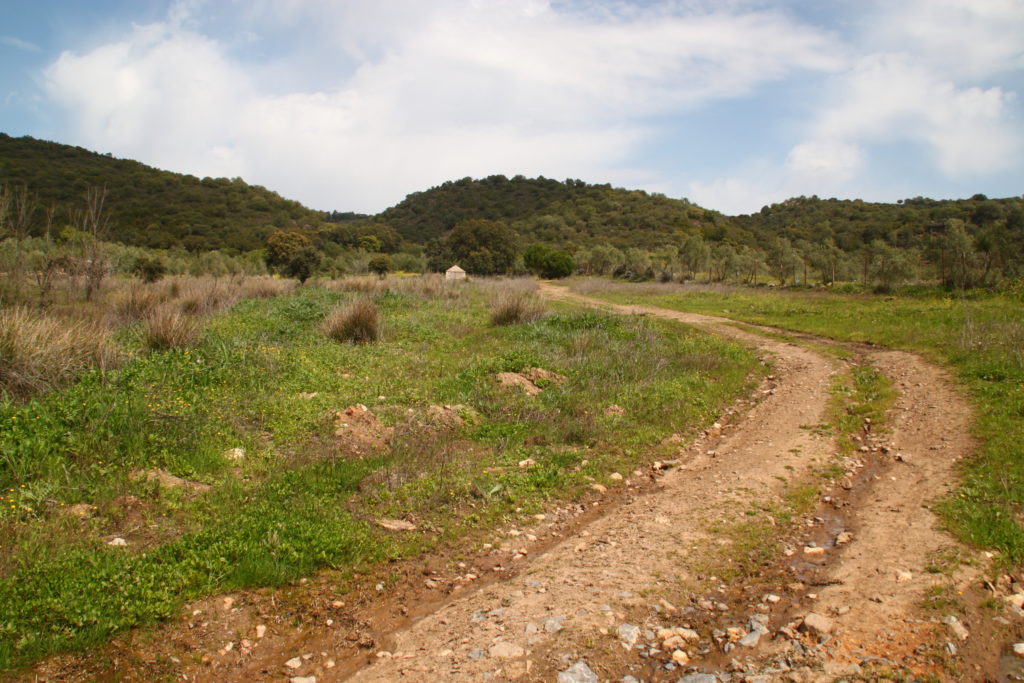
(657,543)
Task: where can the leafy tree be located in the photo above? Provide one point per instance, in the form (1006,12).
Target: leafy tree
(535,256)
(149,268)
(380,264)
(826,259)
(959,250)
(479,246)
(695,255)
(783,260)
(605,258)
(891,266)
(370,243)
(282,247)
(303,263)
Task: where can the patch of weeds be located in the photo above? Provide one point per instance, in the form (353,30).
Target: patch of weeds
(942,597)
(945,561)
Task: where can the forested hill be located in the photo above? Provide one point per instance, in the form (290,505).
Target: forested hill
(148,207)
(569,214)
(573,214)
(915,222)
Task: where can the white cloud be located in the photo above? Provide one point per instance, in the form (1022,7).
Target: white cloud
(960,38)
(440,90)
(922,72)
(13,41)
(893,96)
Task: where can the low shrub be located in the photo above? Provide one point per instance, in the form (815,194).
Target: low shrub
(358,322)
(39,353)
(516,306)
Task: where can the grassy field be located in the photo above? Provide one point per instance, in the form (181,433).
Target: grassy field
(981,338)
(79,460)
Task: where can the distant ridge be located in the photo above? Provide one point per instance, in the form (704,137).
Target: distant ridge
(150,207)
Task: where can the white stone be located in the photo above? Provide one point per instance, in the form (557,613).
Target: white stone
(506,650)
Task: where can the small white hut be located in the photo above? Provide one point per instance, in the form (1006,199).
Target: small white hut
(455,273)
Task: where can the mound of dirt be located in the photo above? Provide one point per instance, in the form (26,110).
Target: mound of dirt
(167,480)
(449,417)
(359,431)
(532,381)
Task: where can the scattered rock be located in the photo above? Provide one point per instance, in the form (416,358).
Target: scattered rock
(303,679)
(814,551)
(751,639)
(81,510)
(772,598)
(235,454)
(680,657)
(506,650)
(956,627)
(699,678)
(1018,649)
(615,476)
(167,480)
(577,673)
(117,542)
(817,624)
(844,537)
(554,624)
(903,576)
(529,462)
(294,663)
(841,670)
(628,634)
(261,631)
(395,524)
(599,488)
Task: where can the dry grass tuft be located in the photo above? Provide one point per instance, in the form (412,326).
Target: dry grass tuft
(265,287)
(39,353)
(138,302)
(167,327)
(361,285)
(358,322)
(514,306)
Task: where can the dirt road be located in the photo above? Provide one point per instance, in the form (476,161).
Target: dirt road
(602,600)
(737,561)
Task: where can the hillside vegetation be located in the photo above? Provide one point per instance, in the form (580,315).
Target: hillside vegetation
(632,234)
(148,207)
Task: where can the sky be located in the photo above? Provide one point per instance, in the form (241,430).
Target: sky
(350,105)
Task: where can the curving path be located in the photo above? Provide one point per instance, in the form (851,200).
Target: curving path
(647,563)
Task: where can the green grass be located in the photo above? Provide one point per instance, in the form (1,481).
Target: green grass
(298,502)
(981,338)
